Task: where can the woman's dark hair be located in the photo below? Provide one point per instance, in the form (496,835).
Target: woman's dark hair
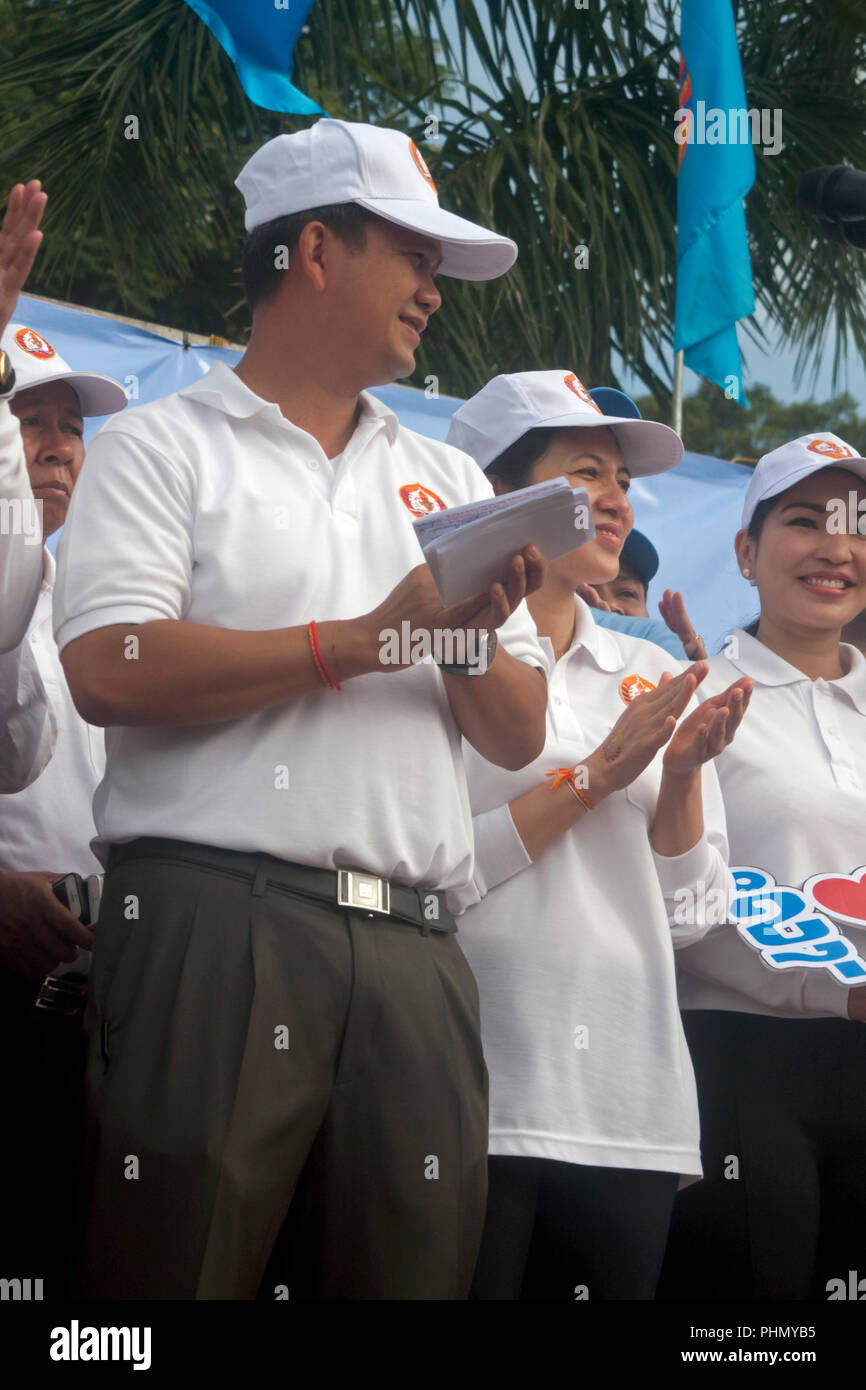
(515,464)
(759,516)
(262,266)
(754,529)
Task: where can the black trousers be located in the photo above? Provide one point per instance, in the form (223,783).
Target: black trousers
(42,1123)
(782,1207)
(563,1231)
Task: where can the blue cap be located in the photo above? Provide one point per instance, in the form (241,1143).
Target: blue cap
(641,554)
(610,401)
(638,551)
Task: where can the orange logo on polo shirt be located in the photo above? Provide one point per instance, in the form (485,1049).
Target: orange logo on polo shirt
(578,389)
(830,449)
(633,686)
(31,341)
(421,164)
(420,500)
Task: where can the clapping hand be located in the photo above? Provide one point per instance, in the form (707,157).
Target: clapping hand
(644,727)
(709,729)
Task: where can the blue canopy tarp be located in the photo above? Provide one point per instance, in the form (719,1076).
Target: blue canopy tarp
(690,514)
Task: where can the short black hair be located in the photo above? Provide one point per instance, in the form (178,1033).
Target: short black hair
(514,465)
(644,583)
(260,263)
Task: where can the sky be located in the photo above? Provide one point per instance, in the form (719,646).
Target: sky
(775,368)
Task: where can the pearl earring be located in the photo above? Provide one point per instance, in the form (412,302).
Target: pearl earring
(747,574)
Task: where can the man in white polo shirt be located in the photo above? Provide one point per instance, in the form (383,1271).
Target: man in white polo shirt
(278,999)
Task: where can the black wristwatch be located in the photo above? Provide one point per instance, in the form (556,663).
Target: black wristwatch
(475,668)
(7,375)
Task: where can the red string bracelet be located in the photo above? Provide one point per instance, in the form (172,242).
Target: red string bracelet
(327,678)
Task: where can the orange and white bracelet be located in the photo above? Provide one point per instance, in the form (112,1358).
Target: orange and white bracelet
(566,775)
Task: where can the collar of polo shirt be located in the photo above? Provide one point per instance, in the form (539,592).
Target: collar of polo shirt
(768,668)
(598,641)
(223,389)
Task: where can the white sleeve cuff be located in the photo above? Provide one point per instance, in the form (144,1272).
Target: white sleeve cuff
(106,617)
(519,637)
(690,884)
(684,870)
(499,855)
(499,851)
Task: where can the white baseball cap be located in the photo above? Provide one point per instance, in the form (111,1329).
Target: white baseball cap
(381,170)
(35,363)
(509,406)
(790,463)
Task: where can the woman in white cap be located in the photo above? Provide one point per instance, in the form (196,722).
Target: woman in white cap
(593,1112)
(781,1213)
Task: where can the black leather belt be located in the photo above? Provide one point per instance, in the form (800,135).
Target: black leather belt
(350,889)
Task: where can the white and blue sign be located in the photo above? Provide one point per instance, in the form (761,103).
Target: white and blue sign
(785,925)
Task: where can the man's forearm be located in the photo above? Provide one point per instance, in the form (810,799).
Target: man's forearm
(173,673)
(502,713)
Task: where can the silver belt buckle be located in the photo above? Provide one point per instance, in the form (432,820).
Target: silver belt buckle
(363,892)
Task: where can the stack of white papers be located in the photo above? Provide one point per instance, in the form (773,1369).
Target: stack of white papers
(469,548)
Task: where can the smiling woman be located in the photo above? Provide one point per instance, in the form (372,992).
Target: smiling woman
(778,1059)
(568,918)
(804,541)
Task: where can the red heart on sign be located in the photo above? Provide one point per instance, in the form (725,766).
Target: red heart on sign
(843,896)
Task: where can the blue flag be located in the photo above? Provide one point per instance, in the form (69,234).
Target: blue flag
(717,168)
(260,36)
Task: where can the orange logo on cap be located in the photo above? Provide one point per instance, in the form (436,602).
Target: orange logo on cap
(31,341)
(421,163)
(634,685)
(579,390)
(420,500)
(830,449)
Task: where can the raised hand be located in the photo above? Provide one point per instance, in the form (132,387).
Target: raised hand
(20,239)
(673,610)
